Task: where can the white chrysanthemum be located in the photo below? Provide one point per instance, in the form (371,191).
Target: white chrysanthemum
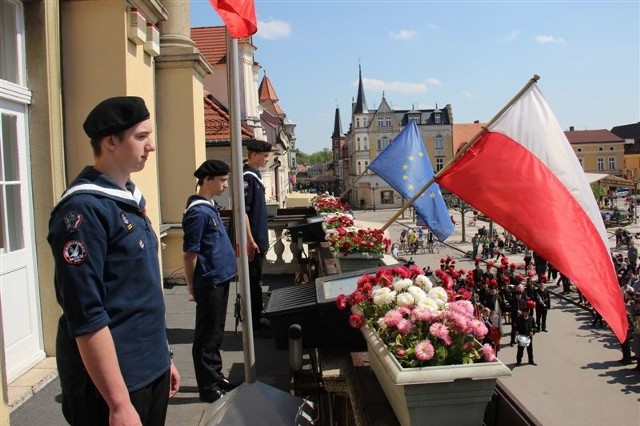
(402,284)
(405,299)
(439,295)
(417,293)
(424,282)
(383,296)
(428,303)
(381,324)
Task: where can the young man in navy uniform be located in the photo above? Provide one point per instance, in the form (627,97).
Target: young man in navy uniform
(111,347)
(257,228)
(209,266)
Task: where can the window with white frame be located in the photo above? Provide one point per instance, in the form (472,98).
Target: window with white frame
(600,163)
(365,144)
(439,143)
(612,163)
(380,121)
(387,121)
(437,118)
(359,167)
(383,143)
(386,197)
(439,163)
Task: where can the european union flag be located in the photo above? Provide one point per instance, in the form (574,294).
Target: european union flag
(405,166)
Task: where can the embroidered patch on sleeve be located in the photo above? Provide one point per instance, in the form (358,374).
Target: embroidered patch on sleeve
(72,221)
(74,252)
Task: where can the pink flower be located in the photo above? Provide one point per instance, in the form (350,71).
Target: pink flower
(341,301)
(424,350)
(460,322)
(488,352)
(392,318)
(401,352)
(478,329)
(405,327)
(440,331)
(421,314)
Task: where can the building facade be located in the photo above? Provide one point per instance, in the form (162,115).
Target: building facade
(372,130)
(598,151)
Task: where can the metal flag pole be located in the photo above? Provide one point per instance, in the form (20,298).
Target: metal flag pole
(461,151)
(239,208)
(350,187)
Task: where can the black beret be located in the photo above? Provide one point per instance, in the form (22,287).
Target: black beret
(114,115)
(258,146)
(212,168)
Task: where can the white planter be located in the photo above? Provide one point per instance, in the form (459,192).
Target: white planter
(357,261)
(443,395)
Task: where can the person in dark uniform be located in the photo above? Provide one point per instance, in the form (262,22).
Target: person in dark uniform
(543,304)
(526,326)
(111,347)
(257,228)
(517,306)
(208,269)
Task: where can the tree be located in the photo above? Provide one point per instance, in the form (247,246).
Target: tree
(456,203)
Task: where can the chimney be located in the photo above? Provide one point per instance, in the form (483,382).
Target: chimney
(476,121)
(571,128)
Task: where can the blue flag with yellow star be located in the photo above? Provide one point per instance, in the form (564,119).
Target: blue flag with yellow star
(404,165)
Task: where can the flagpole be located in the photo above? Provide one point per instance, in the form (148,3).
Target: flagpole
(233,87)
(350,187)
(461,151)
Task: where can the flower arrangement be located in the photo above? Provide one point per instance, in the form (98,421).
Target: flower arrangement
(337,220)
(325,203)
(358,240)
(422,324)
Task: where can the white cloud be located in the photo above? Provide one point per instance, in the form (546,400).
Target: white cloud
(544,39)
(394,86)
(467,94)
(511,37)
(434,82)
(273,29)
(402,34)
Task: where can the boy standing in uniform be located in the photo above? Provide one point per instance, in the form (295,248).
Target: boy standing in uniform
(209,266)
(112,353)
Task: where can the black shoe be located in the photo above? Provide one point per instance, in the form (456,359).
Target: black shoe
(532,363)
(212,395)
(511,344)
(545,330)
(227,385)
(625,361)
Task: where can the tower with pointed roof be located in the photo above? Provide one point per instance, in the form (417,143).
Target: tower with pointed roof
(337,146)
(372,130)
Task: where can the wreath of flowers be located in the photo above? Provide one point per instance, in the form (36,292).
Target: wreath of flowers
(325,203)
(358,240)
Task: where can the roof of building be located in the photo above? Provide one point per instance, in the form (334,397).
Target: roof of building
(361,102)
(627,131)
(464,132)
(211,42)
(268,98)
(216,122)
(592,136)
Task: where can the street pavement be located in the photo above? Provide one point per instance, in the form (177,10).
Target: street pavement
(578,380)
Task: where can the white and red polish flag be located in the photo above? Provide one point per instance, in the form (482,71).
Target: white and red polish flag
(238,15)
(523,173)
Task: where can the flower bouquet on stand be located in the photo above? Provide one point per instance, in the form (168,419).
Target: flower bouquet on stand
(422,338)
(357,248)
(325,203)
(338,220)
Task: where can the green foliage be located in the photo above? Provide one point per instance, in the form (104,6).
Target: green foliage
(315,158)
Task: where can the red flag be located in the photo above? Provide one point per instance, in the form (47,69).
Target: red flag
(523,173)
(238,15)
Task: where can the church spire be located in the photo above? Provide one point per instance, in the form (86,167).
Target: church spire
(361,102)
(337,126)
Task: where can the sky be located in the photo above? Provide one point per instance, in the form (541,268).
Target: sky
(473,55)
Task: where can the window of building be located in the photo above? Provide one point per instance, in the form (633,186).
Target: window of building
(612,163)
(439,144)
(611,148)
(439,163)
(600,163)
(380,121)
(383,143)
(11,64)
(359,171)
(365,144)
(579,150)
(581,163)
(386,197)
(364,122)
(357,122)
(600,148)
(437,118)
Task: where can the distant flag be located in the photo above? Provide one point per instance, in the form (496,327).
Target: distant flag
(523,173)
(239,16)
(404,164)
(293,179)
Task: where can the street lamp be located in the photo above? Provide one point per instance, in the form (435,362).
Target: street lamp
(373,188)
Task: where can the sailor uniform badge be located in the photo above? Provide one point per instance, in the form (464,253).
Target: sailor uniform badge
(74,252)
(126,222)
(72,221)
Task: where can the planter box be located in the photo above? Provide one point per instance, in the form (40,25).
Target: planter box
(357,261)
(442,395)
